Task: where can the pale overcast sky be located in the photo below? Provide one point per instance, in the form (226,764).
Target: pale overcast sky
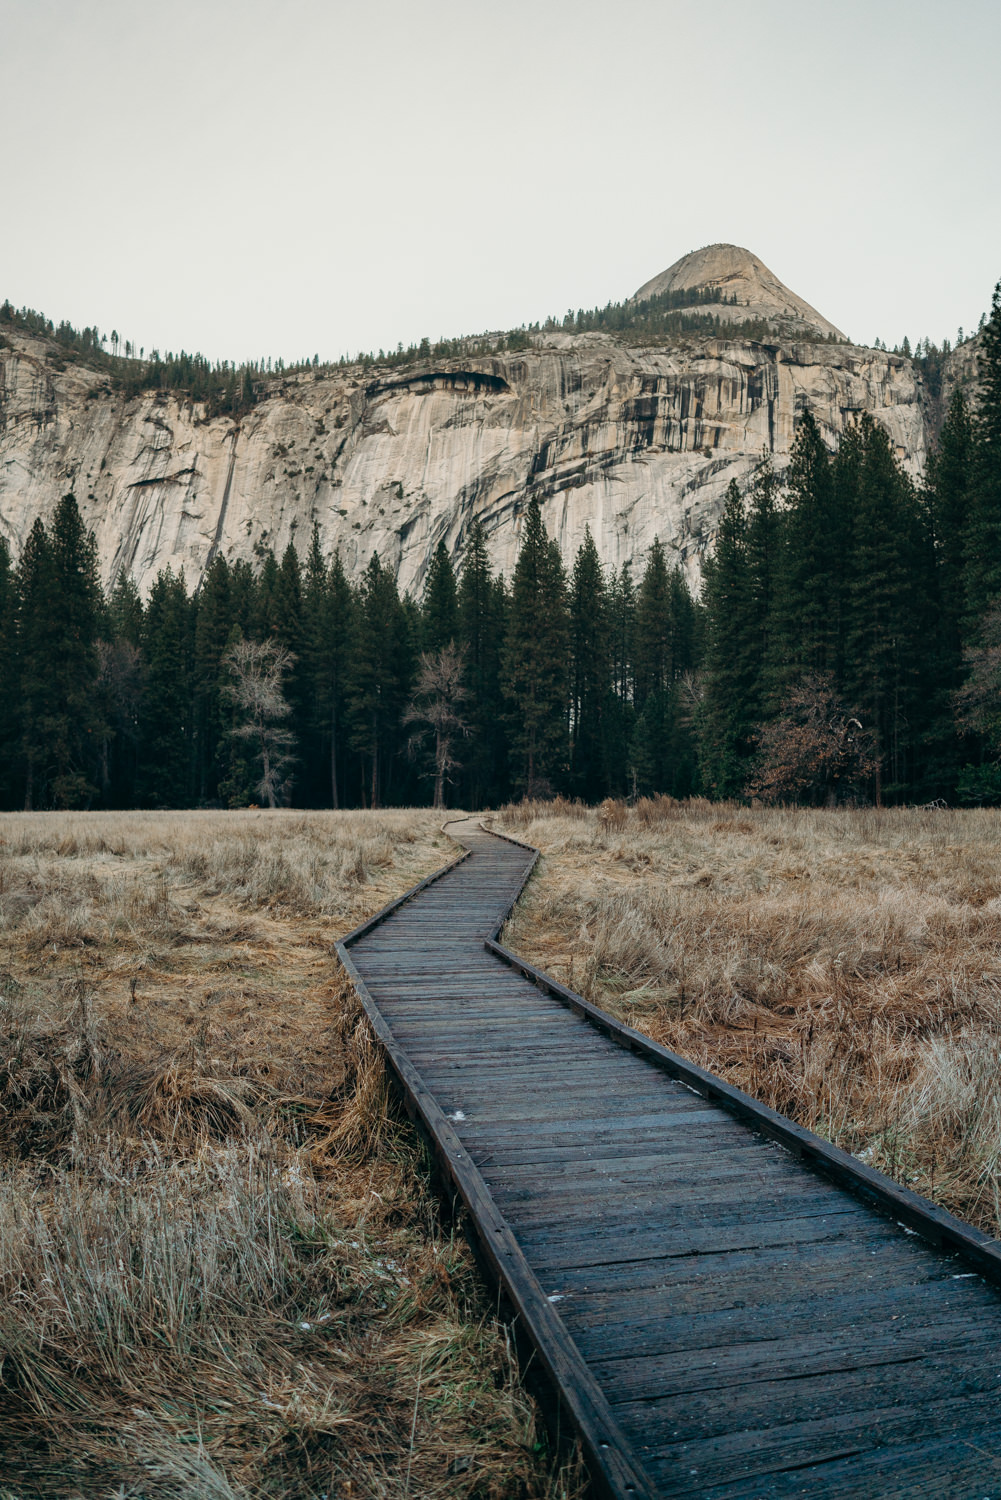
(253,178)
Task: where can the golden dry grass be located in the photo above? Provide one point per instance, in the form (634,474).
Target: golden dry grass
(222,1271)
(844,967)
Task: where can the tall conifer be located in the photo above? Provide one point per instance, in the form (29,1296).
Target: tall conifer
(809,579)
(591,674)
(166,774)
(211,714)
(950,480)
(125,610)
(536,661)
(37,649)
(380,682)
(59,613)
(341,623)
(729,709)
(983,532)
(482,620)
(9,693)
(81,606)
(288,630)
(653,629)
(890,599)
(440,610)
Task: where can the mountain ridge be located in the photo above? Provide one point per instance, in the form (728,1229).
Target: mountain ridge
(634,439)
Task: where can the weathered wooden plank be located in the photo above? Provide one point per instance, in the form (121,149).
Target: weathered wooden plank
(550,1253)
(954,1469)
(908,1306)
(903,1379)
(617,1218)
(762,1450)
(767,1279)
(795,1362)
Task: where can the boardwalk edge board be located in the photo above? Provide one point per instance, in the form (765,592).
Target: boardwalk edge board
(607,1451)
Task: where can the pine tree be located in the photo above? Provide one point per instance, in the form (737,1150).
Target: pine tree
(166,759)
(121,685)
(983,531)
(536,661)
(243,593)
(621,714)
(889,597)
(289,631)
(9,695)
(764,546)
(664,647)
(263,619)
(950,480)
(590,673)
(213,626)
(440,610)
(37,637)
(125,610)
(687,625)
(947,499)
(286,624)
(663,752)
(622,624)
(380,679)
(341,621)
(81,606)
(58,615)
(806,634)
(313,777)
(730,707)
(482,605)
(653,630)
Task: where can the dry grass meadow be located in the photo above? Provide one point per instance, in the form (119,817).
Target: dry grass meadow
(222,1271)
(844,967)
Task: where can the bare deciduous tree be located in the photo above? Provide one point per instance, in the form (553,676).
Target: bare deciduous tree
(258,670)
(436,705)
(816,752)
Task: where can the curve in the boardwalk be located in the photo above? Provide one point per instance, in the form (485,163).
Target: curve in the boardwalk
(727,1305)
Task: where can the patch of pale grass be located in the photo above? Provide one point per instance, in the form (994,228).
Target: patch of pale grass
(222,1270)
(842,966)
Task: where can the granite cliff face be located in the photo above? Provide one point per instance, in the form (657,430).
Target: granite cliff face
(634,440)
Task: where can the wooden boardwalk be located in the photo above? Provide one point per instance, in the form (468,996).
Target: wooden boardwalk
(727,1306)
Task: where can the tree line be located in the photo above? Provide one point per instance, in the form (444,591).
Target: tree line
(222,386)
(846,646)
(535,686)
